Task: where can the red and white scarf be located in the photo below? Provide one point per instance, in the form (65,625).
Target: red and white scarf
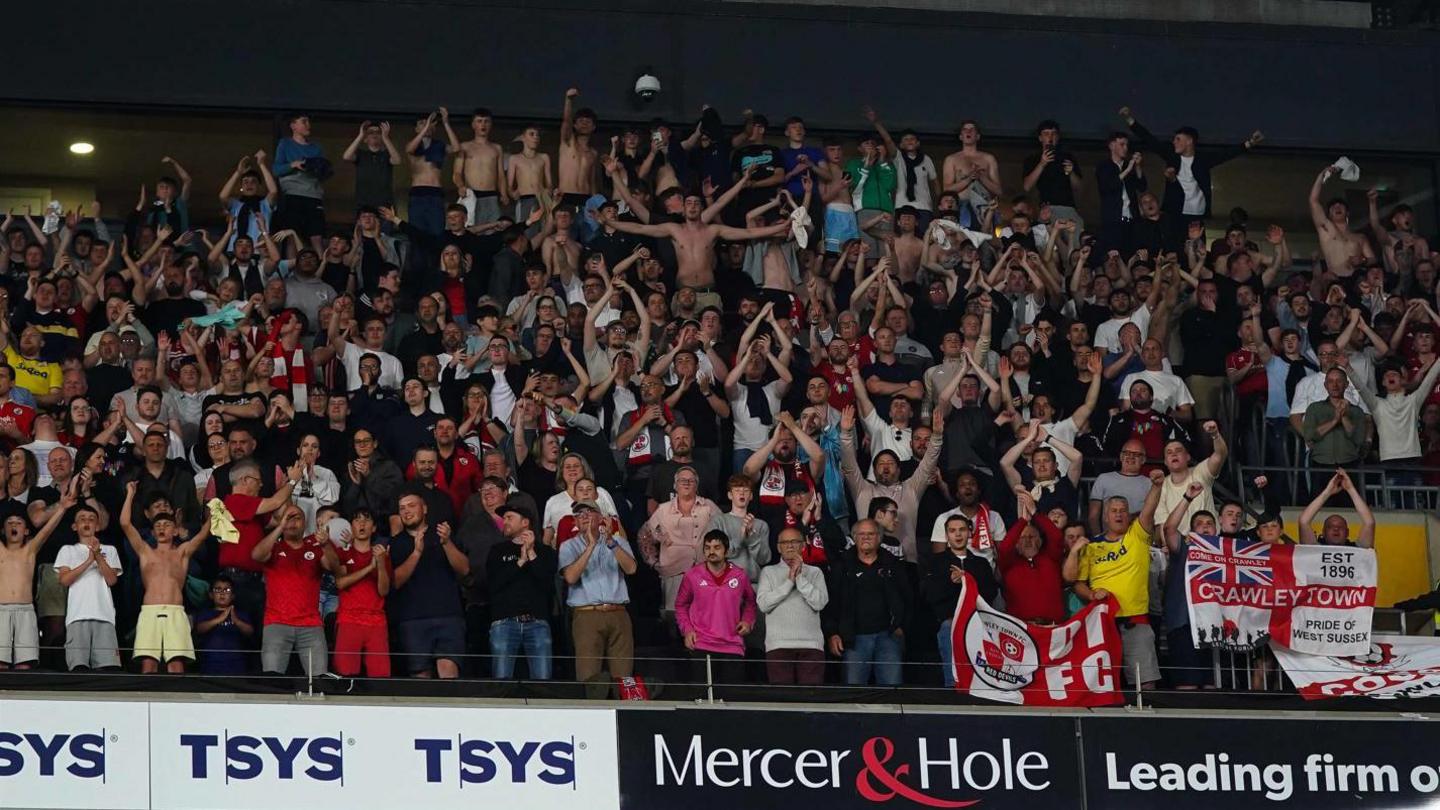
(292,375)
(643,450)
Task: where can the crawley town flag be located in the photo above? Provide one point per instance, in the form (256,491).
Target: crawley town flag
(1312,599)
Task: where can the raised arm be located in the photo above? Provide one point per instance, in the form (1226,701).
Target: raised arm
(1366,537)
(1307,515)
(1317,210)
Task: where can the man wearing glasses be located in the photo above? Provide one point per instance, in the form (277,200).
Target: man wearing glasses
(1128,482)
(249,513)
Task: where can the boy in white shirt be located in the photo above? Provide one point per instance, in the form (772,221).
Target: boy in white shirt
(88,570)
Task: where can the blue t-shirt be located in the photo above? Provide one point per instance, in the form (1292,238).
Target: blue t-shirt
(222,650)
(432,150)
(790,158)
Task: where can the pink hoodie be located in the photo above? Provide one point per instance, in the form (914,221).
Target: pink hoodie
(712,607)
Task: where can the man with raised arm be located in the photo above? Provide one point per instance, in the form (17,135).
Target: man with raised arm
(695,240)
(478,169)
(163,630)
(1118,562)
(1345,252)
(19,630)
(427,159)
(576,174)
(1336,530)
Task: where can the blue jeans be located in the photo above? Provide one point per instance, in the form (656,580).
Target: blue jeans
(942,637)
(509,637)
(873,652)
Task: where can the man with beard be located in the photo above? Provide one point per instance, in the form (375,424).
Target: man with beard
(292,594)
(645,437)
(305,290)
(886,469)
(701,405)
(166,314)
(986,525)
(426,600)
(1141,422)
(971,425)
(242,266)
(422,482)
(775,465)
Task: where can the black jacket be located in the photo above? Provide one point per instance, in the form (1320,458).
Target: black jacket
(941,594)
(1173,203)
(1107,178)
(846,574)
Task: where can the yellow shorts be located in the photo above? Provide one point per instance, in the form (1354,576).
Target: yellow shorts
(163,633)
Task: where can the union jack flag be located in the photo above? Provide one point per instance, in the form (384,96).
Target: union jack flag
(1229,560)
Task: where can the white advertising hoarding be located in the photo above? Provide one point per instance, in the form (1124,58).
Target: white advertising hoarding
(185,756)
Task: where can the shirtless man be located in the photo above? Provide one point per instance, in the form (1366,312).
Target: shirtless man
(841,224)
(163,630)
(906,246)
(19,633)
(427,159)
(1344,252)
(695,240)
(577,157)
(1399,244)
(972,174)
(529,178)
(561,253)
(478,166)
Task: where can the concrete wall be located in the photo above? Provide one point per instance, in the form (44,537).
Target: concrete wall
(1325,13)
(926,69)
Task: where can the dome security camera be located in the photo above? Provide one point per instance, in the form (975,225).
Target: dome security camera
(647,87)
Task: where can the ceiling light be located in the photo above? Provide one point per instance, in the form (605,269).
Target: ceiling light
(82,148)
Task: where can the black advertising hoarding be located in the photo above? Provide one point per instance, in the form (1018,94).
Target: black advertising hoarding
(1133,763)
(692,759)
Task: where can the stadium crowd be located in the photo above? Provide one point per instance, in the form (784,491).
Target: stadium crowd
(707,386)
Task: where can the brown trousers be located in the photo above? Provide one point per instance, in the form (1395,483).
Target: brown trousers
(602,634)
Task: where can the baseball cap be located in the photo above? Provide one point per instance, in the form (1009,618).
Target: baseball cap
(586,504)
(511,506)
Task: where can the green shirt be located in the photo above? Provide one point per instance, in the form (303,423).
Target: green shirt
(1339,446)
(878,191)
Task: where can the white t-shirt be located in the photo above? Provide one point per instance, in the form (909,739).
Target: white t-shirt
(1172,493)
(502,396)
(1312,389)
(560,505)
(392,374)
(1107,334)
(1194,197)
(1170,391)
(88,597)
(885,436)
(924,172)
(40,449)
(1065,431)
(750,432)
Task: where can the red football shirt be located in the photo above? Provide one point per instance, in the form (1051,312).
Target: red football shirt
(292,584)
(22,416)
(361,604)
(237,555)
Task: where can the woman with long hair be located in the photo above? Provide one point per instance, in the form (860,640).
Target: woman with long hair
(205,456)
(480,430)
(318,486)
(571,470)
(262,368)
(21,473)
(79,422)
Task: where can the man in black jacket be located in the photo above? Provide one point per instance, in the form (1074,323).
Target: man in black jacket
(520,576)
(1120,178)
(1187,171)
(870,603)
(941,586)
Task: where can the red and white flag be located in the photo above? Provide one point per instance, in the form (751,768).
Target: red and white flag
(1394,667)
(1311,599)
(999,657)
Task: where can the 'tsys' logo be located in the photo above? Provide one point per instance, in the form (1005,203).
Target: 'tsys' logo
(86,753)
(249,757)
(476,761)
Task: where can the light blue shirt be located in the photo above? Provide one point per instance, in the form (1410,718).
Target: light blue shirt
(602,583)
